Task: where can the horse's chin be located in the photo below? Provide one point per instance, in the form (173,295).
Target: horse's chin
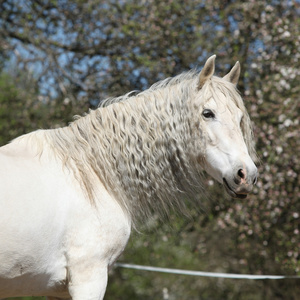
(232,193)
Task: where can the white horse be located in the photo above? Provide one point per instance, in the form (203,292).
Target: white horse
(70,196)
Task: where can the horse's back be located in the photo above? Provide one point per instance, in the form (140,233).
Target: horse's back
(26,183)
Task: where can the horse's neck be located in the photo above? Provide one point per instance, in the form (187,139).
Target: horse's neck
(136,113)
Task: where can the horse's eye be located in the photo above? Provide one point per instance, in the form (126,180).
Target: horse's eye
(207,113)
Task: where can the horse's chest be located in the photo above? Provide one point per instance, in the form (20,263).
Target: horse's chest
(33,272)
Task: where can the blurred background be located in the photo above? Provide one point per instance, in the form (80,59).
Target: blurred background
(58,58)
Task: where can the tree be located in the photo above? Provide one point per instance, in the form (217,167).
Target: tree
(17,110)
(23,110)
(84,49)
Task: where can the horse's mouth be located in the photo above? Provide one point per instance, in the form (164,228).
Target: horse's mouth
(232,193)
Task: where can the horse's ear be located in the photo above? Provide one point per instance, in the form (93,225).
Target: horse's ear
(234,74)
(207,72)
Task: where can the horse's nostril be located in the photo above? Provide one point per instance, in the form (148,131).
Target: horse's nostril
(255,180)
(241,173)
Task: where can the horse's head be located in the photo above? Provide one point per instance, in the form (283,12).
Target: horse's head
(226,131)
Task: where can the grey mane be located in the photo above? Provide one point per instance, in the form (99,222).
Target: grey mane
(139,145)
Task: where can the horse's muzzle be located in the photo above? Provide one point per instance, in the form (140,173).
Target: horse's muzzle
(240,191)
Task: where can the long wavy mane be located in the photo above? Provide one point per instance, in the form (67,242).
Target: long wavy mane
(143,147)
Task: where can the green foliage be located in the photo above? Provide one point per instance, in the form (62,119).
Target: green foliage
(22,110)
(16,111)
(110,48)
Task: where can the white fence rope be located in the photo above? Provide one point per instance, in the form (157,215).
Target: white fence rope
(203,274)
